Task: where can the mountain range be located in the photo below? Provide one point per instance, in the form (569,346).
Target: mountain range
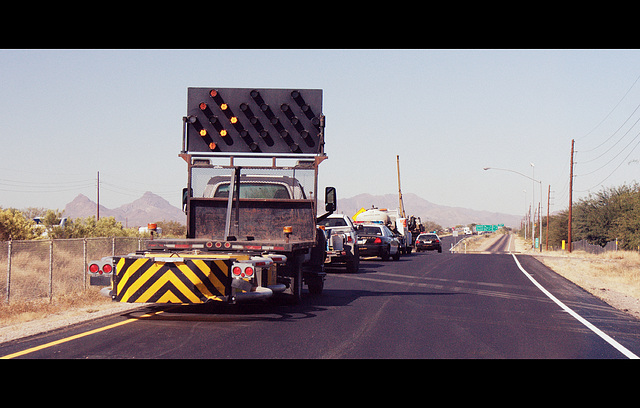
(149,208)
(152,208)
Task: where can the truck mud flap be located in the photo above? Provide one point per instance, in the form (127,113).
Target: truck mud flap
(154,280)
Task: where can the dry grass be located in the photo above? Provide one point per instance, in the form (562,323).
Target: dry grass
(21,311)
(31,277)
(618,271)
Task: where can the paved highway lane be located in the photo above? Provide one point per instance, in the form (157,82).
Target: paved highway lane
(426,305)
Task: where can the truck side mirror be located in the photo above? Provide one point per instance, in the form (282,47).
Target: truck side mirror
(185,196)
(330,200)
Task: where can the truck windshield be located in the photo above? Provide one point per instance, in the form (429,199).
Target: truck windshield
(255,183)
(255,190)
(333,222)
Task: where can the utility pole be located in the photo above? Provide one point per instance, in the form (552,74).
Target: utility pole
(548,203)
(533,207)
(540,220)
(399,189)
(98,198)
(570,193)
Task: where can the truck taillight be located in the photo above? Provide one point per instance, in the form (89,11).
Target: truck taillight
(247,272)
(100,267)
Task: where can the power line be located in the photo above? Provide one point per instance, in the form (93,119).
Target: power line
(609,138)
(629,148)
(612,110)
(21,186)
(614,170)
(614,157)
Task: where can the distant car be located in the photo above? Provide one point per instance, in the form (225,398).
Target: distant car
(377,240)
(428,242)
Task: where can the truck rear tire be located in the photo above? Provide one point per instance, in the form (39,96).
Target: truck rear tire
(353,265)
(295,287)
(315,285)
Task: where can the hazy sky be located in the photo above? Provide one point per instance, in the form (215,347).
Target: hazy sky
(67,114)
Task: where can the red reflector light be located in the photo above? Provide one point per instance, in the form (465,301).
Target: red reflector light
(248,271)
(93,268)
(107,268)
(237,270)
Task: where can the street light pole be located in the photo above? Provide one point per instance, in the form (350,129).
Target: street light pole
(569,238)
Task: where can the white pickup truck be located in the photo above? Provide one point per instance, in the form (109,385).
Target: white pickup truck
(341,242)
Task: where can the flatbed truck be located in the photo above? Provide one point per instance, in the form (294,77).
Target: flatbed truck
(251,204)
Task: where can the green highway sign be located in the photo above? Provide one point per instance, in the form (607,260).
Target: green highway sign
(488,227)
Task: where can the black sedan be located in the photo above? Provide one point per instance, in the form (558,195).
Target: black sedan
(377,240)
(428,242)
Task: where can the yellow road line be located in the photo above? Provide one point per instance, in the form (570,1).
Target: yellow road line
(77,336)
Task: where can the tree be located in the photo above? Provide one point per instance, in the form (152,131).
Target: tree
(612,213)
(432,226)
(14,225)
(626,227)
(89,227)
(172,229)
(558,228)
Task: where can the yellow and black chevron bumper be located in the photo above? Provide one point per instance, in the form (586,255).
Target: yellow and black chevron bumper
(150,280)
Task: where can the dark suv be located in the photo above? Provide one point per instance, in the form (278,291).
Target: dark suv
(428,242)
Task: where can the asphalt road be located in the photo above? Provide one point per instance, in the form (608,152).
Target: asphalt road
(426,305)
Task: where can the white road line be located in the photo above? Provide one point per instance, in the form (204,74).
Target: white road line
(591,327)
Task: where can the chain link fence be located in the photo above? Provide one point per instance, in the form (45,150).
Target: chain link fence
(40,269)
(584,245)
